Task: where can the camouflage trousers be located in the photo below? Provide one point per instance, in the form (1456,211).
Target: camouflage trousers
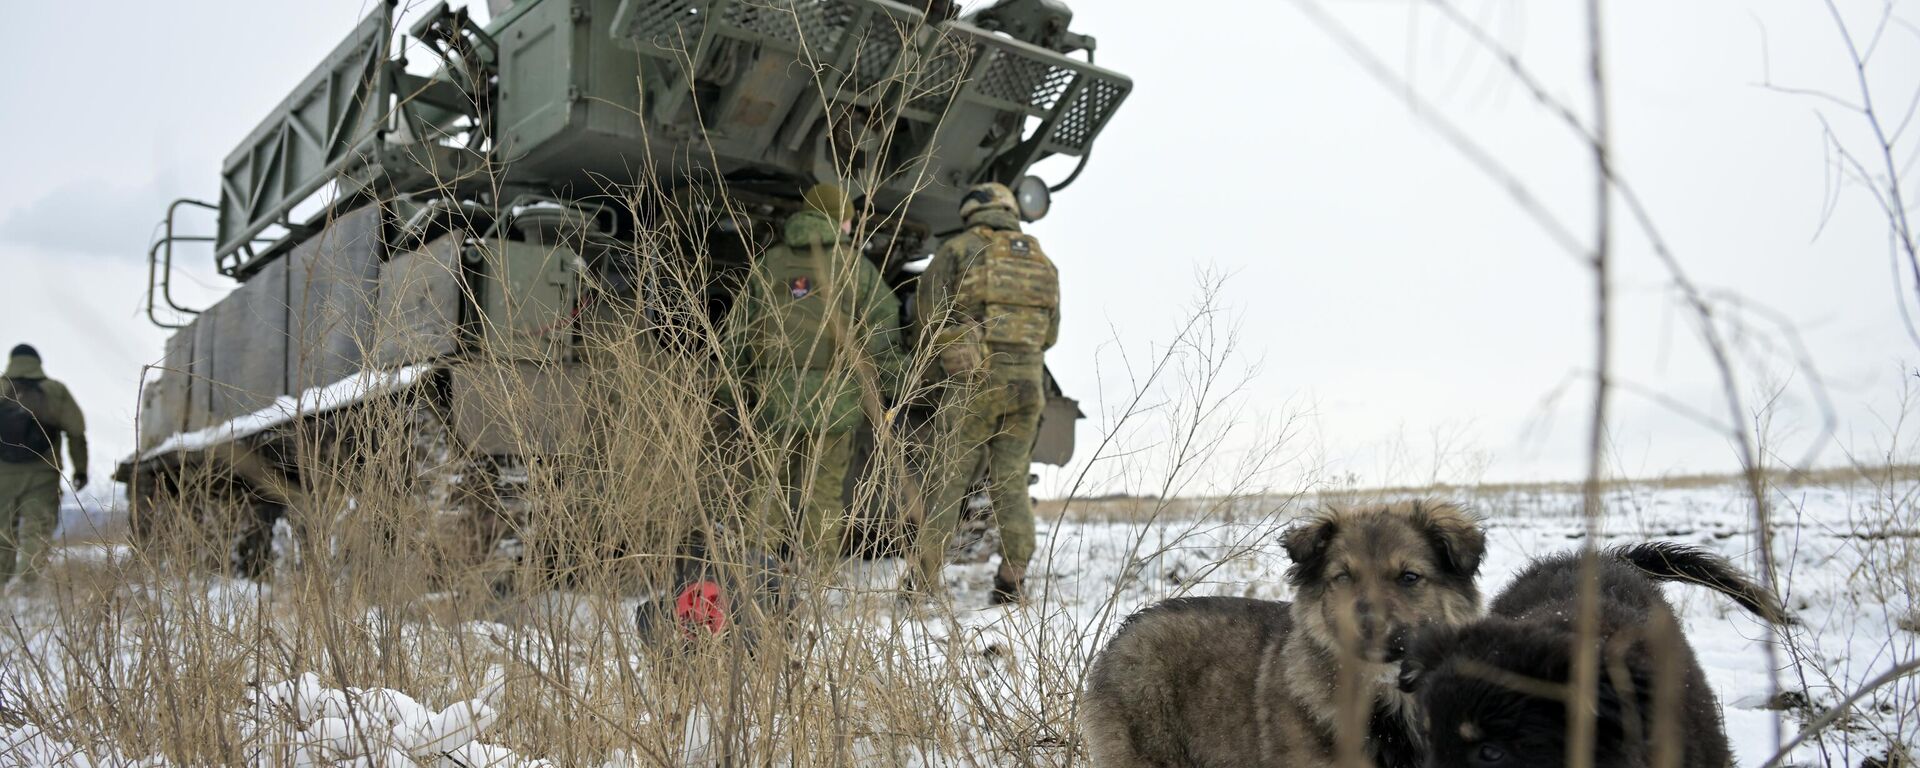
(29,512)
(811,469)
(988,429)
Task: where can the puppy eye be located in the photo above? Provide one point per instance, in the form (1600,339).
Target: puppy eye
(1409,578)
(1491,753)
(1342,578)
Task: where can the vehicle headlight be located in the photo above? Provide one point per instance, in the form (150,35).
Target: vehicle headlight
(1033,198)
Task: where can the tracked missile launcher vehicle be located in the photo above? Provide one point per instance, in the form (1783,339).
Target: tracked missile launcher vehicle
(454,192)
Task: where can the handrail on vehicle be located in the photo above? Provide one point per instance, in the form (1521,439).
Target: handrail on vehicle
(161,253)
(164,275)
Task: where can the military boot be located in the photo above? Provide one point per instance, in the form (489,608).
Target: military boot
(1009,584)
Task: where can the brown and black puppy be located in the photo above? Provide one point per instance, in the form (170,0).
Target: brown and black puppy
(1220,681)
(1495,691)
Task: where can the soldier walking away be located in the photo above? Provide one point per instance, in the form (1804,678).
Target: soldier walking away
(811,314)
(989,305)
(34,412)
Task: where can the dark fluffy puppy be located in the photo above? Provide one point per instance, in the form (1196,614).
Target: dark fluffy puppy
(1218,681)
(1493,691)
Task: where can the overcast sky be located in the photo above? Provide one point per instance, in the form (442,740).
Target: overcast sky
(1385,292)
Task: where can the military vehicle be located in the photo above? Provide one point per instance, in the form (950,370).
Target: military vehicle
(459,191)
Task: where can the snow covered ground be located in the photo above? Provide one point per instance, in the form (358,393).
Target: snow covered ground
(1847,556)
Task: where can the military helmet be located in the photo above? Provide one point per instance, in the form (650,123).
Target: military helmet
(991,196)
(829,200)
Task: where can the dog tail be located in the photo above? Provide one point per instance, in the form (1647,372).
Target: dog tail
(1667,561)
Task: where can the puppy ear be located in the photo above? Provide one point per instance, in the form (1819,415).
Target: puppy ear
(1306,543)
(1455,535)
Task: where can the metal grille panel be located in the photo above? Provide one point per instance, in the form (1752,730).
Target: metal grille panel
(1088,113)
(667,25)
(815,24)
(941,68)
(876,54)
(1026,81)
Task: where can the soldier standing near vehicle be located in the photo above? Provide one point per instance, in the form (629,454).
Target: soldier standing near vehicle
(811,316)
(989,305)
(34,412)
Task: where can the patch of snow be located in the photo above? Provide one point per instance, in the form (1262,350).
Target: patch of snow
(27,745)
(313,724)
(92,553)
(314,401)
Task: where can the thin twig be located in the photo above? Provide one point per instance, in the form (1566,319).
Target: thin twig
(1585,682)
(1840,710)
(1475,153)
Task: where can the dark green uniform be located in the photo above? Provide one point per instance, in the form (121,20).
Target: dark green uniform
(989,303)
(792,355)
(30,482)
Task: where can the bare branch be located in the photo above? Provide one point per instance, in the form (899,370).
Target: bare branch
(1840,710)
(1472,150)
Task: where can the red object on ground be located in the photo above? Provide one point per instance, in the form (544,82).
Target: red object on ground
(701,604)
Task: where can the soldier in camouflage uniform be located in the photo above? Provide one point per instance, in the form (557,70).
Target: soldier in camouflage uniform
(989,305)
(811,315)
(35,412)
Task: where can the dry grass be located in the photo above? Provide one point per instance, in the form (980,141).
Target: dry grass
(141,655)
(149,651)
(394,560)
(386,573)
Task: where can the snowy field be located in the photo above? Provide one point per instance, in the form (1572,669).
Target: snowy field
(970,686)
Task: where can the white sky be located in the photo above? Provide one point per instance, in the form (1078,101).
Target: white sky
(1386,291)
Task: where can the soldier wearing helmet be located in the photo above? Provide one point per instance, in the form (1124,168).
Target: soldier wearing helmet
(989,308)
(811,311)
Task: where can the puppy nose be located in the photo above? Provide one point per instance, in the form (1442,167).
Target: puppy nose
(1365,620)
(1397,644)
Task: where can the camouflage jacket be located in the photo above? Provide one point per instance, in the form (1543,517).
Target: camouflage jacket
(62,415)
(783,338)
(934,306)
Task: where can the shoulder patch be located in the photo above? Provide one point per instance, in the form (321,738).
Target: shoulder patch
(800,286)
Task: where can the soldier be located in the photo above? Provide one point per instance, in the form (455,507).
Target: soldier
(990,306)
(34,412)
(812,316)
